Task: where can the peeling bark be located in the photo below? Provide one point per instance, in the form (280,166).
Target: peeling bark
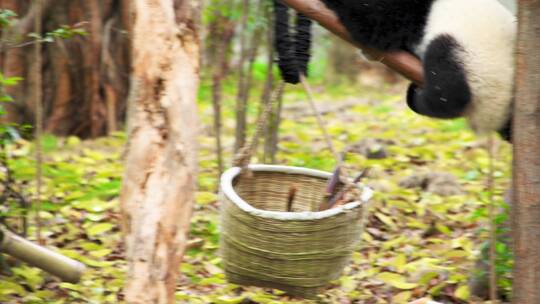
(159,179)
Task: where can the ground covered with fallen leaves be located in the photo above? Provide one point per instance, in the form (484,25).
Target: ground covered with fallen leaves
(425,226)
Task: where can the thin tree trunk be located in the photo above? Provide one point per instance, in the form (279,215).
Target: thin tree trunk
(251,55)
(217,78)
(526,139)
(38,99)
(240,133)
(254,45)
(273,131)
(267,91)
(225,28)
(160,174)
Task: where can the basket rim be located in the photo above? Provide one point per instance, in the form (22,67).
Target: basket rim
(227,189)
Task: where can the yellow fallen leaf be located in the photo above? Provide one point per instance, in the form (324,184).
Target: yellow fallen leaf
(462,292)
(402,297)
(399,262)
(386,220)
(395,280)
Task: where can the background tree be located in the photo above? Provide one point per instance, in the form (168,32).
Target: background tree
(219,40)
(85,78)
(158,185)
(526,139)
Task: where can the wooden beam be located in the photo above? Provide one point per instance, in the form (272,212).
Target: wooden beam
(402,62)
(526,140)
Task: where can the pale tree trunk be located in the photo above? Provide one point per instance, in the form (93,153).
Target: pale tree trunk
(159,179)
(526,139)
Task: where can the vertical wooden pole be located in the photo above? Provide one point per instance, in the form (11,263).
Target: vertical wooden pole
(526,139)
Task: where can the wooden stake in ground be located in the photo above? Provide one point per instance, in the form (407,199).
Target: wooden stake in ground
(159,179)
(526,140)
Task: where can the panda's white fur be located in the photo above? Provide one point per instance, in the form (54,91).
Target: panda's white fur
(486,30)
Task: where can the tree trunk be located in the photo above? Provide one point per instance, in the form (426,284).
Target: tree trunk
(526,139)
(223,32)
(159,179)
(272,126)
(241,102)
(85,78)
(272,137)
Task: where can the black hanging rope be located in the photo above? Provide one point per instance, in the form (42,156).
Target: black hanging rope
(293,54)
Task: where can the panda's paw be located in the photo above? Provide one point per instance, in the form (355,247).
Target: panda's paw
(412,93)
(506,131)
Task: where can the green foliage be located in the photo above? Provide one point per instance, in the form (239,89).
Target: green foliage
(64,32)
(6,130)
(6,18)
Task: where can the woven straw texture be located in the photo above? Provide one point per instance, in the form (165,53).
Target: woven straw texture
(296,256)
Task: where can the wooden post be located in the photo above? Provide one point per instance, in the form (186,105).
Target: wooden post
(401,62)
(526,139)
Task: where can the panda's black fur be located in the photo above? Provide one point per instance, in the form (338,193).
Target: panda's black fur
(466,48)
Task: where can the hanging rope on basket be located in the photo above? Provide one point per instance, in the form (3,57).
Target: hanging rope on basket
(293,57)
(243,157)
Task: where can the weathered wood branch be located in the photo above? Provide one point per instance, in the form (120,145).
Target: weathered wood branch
(52,262)
(402,62)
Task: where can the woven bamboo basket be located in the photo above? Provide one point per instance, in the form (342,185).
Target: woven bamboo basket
(298,252)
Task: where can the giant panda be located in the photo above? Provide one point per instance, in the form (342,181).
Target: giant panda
(466,48)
